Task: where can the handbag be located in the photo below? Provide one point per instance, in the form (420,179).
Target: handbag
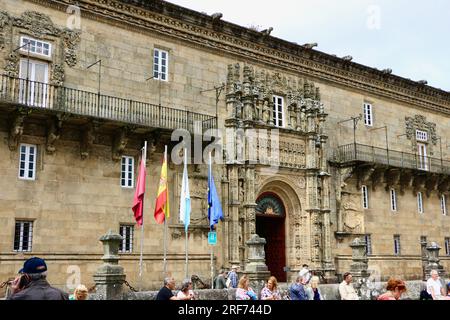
(228,283)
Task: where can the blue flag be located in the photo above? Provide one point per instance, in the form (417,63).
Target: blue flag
(214,206)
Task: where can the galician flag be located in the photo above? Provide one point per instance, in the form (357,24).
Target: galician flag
(162,210)
(185,197)
(214,206)
(138,201)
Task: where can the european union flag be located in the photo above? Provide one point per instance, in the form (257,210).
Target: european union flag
(214,206)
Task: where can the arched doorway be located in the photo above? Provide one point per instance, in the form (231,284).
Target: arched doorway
(270,220)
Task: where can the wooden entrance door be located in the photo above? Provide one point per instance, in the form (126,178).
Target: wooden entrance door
(270,218)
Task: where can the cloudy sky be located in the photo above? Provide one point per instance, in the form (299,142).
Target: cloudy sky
(409,36)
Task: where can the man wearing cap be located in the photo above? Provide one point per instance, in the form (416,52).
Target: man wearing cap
(35,285)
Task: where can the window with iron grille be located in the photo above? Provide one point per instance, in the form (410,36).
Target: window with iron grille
(23,236)
(368,114)
(397,245)
(36,46)
(127,174)
(447,246)
(368,239)
(393,200)
(27,162)
(420,208)
(444,204)
(126,245)
(278,111)
(160,64)
(365,197)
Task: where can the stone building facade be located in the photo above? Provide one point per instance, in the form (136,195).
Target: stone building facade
(330,161)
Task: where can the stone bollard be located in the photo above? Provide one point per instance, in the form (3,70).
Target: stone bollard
(256,268)
(110,277)
(433,260)
(359,268)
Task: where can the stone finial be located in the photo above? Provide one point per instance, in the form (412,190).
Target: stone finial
(387,71)
(110,277)
(424,82)
(347,58)
(433,259)
(267,31)
(216,16)
(310,45)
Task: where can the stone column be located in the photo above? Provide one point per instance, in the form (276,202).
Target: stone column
(433,260)
(110,277)
(359,268)
(256,267)
(233,209)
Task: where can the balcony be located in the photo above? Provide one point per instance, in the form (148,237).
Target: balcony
(358,153)
(42,96)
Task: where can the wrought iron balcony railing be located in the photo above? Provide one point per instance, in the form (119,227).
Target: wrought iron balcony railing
(355,152)
(58,98)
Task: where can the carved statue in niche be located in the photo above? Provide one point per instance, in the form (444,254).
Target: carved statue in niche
(352,213)
(266,112)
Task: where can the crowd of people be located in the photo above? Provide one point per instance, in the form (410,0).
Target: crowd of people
(31,284)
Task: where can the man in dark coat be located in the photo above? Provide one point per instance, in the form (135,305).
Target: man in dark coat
(33,285)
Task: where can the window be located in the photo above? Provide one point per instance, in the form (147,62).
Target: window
(160,64)
(368,244)
(368,114)
(23,236)
(422,156)
(447,246)
(397,245)
(278,111)
(127,175)
(27,162)
(444,204)
(34,92)
(393,200)
(421,135)
(420,202)
(36,46)
(126,245)
(365,197)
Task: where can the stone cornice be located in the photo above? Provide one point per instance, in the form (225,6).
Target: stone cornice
(199,29)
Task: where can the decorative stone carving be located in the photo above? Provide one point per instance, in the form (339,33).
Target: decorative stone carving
(87,139)
(12,65)
(392,177)
(419,122)
(54,132)
(352,213)
(418,182)
(57,75)
(4,21)
(377,177)
(444,185)
(71,39)
(431,183)
(120,143)
(16,129)
(38,24)
(363,173)
(406,178)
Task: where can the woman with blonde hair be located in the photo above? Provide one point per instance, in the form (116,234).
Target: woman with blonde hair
(244,292)
(313,291)
(80,293)
(270,291)
(395,288)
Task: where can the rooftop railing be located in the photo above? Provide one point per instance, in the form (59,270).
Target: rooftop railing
(355,152)
(59,98)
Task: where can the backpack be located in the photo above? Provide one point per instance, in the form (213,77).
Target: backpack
(424,295)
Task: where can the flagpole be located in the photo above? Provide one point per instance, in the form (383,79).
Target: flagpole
(212,257)
(144,158)
(165,226)
(185,219)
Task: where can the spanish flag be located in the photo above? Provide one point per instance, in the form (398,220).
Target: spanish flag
(162,210)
